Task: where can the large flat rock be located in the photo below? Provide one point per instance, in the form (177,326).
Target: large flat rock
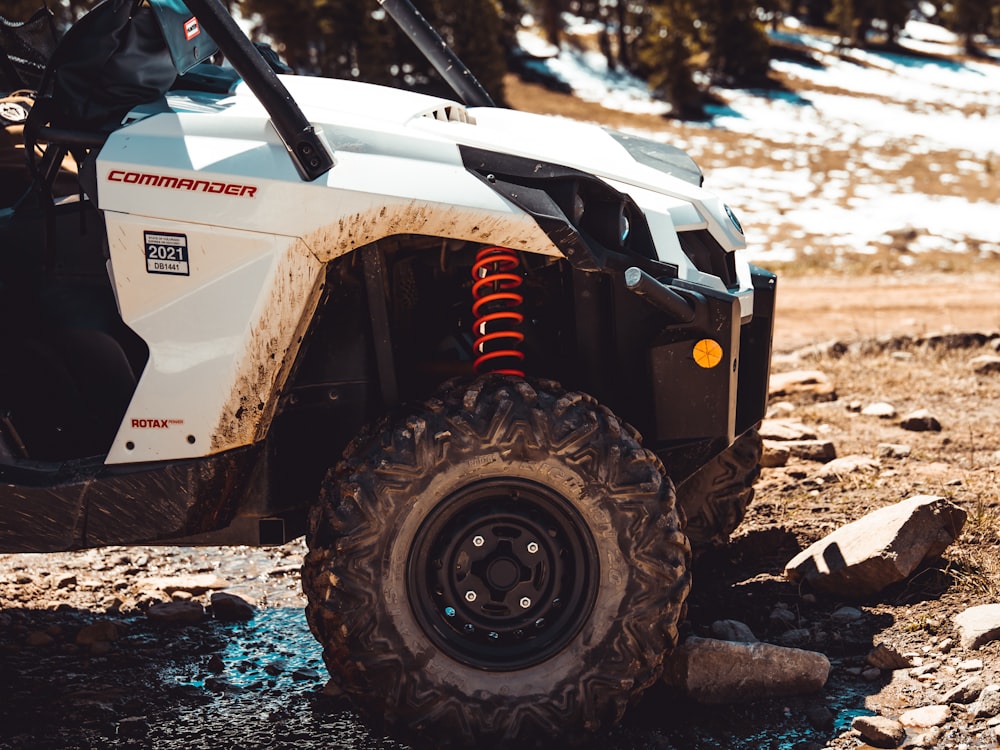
(719,672)
(885,547)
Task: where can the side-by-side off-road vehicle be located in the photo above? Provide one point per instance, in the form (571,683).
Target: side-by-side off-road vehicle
(237,306)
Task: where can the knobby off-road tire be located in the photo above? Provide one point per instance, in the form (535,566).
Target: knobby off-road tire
(716,498)
(504,564)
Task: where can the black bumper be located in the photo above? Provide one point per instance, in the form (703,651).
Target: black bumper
(709,376)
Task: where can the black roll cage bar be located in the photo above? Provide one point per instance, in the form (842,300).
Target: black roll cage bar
(312,155)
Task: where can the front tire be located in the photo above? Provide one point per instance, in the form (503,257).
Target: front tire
(504,563)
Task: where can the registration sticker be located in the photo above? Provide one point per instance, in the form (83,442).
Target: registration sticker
(167,252)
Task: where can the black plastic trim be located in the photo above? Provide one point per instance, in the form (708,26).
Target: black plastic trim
(547,192)
(52,507)
(755,351)
(709,256)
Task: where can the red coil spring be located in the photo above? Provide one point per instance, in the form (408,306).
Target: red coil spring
(493,307)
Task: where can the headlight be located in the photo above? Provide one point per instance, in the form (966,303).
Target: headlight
(732,218)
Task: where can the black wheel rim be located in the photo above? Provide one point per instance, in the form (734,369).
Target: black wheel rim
(502,574)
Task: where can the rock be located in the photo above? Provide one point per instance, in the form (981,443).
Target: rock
(231,608)
(920,420)
(880,409)
(785,429)
(148,597)
(987,704)
(820,717)
(39,638)
(871,674)
(949,340)
(102,631)
(840,468)
(218,685)
(774,454)
(176,613)
(811,385)
(978,625)
(879,730)
(276,667)
(733,630)
(970,665)
(884,657)
(782,615)
(966,691)
(892,450)
(986,364)
(811,450)
(846,614)
(927,716)
(930,738)
(66,581)
(305,674)
(795,638)
(779,408)
(882,548)
(718,672)
(192,584)
(215,664)
(133,727)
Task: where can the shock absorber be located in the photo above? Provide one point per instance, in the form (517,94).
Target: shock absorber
(494,310)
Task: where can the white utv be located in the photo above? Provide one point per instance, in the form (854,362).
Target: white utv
(239,306)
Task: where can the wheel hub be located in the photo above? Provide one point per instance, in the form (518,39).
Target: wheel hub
(502,574)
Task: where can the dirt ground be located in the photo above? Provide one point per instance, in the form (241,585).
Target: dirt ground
(812,309)
(260,683)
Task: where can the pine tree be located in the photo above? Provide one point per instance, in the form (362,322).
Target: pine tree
(737,44)
(843,17)
(356,39)
(967,18)
(473,29)
(665,56)
(552,20)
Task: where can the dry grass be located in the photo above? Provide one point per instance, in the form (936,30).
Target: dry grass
(960,463)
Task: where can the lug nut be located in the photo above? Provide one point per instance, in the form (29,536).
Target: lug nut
(478,541)
(525,602)
(470,596)
(532,547)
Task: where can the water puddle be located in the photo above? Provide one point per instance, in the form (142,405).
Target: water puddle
(260,684)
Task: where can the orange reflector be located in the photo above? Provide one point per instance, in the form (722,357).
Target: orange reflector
(707,353)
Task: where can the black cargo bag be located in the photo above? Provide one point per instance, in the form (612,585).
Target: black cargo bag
(117,57)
